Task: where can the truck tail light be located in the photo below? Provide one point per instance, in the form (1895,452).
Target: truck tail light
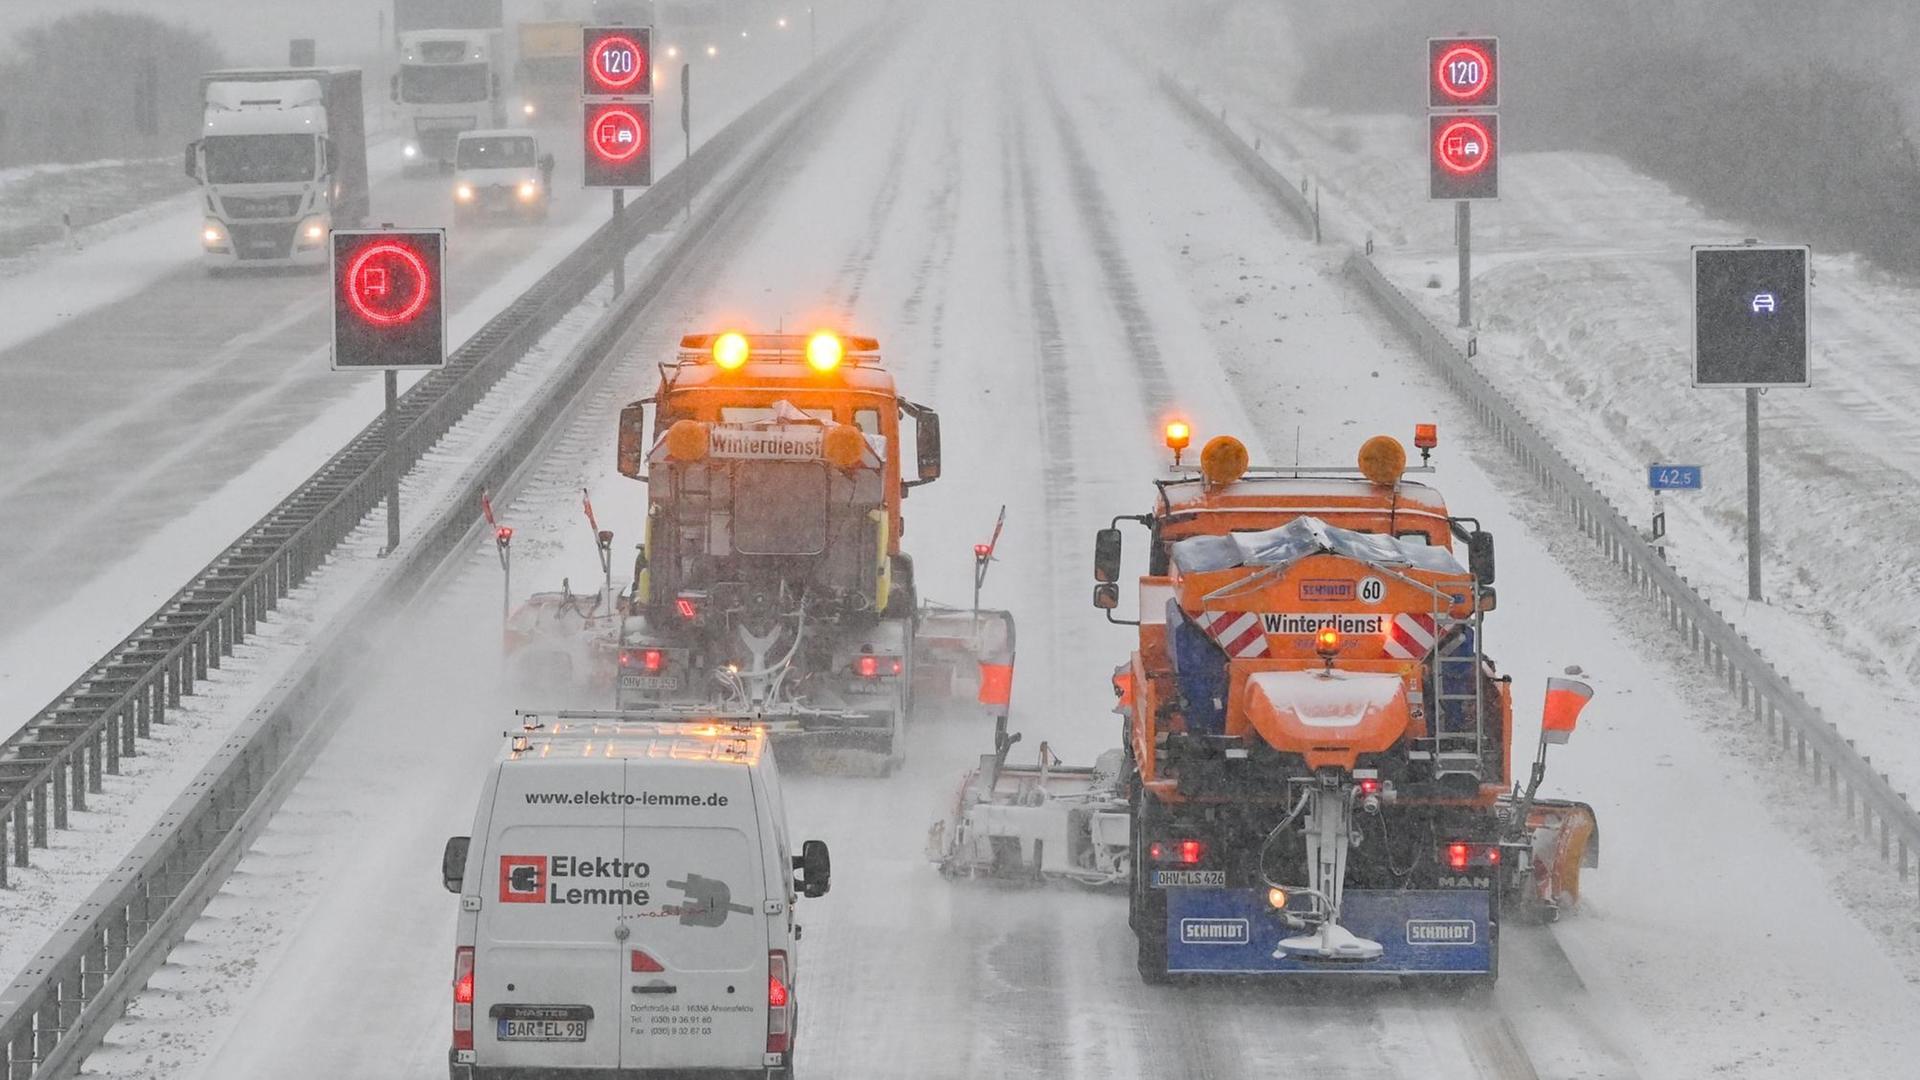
(779,1004)
(1187,852)
(1460,854)
(463,998)
(649,660)
(872,666)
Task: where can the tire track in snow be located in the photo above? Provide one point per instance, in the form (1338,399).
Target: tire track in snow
(1096,216)
(851,281)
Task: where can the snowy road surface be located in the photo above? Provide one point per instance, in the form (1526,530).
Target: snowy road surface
(1051,258)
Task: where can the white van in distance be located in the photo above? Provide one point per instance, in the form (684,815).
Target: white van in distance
(626,905)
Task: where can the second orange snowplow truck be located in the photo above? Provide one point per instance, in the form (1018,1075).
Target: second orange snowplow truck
(1319,751)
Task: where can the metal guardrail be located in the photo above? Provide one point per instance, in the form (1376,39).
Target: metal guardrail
(65,999)
(50,766)
(1884,816)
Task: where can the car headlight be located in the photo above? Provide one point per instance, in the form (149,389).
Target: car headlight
(527,109)
(528,189)
(463,192)
(410,150)
(213,236)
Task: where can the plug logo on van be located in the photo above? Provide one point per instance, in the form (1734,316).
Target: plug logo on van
(523,879)
(544,879)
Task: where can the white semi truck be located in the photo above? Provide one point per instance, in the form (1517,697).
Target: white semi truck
(452,64)
(281,159)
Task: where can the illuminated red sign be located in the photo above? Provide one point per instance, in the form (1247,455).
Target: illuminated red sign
(617,61)
(1462,156)
(388,311)
(387,283)
(1463,73)
(1464,146)
(617,134)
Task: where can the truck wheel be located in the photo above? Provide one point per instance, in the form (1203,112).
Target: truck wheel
(1146,909)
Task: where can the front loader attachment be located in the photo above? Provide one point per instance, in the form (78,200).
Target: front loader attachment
(1044,821)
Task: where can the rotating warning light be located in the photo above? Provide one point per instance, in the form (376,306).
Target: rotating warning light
(619,144)
(388,312)
(824,351)
(1327,642)
(1178,435)
(616,61)
(1463,73)
(1463,156)
(730,350)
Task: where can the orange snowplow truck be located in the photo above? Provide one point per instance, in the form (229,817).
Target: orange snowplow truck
(1319,752)
(772,579)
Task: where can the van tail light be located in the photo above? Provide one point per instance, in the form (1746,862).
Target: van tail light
(643,962)
(463,998)
(779,1004)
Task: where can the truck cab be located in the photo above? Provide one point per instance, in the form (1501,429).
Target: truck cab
(281,160)
(501,172)
(448,82)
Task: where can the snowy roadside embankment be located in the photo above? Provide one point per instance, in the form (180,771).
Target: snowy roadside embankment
(1581,307)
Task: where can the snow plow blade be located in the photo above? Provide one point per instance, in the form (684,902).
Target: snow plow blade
(961,654)
(1565,838)
(1040,822)
(562,641)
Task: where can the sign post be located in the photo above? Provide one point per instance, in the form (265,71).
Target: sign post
(1463,137)
(1669,478)
(389,315)
(1750,331)
(616,92)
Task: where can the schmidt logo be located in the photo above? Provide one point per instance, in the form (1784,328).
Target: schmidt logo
(1442,932)
(1214,932)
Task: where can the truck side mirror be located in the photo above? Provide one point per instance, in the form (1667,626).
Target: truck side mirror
(193,160)
(1106,557)
(1106,596)
(546,164)
(333,157)
(1480,556)
(816,869)
(453,862)
(393,88)
(633,440)
(927,444)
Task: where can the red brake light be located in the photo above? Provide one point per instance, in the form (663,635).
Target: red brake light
(686,607)
(1369,786)
(895,666)
(779,1002)
(868,666)
(463,998)
(981,551)
(1458,855)
(653,659)
(1184,852)
(641,962)
(1493,855)
(503,534)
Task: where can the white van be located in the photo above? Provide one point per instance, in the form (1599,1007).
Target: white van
(626,905)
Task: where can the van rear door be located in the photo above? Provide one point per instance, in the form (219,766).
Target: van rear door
(695,980)
(547,962)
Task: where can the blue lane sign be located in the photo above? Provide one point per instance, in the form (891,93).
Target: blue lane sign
(1673,477)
